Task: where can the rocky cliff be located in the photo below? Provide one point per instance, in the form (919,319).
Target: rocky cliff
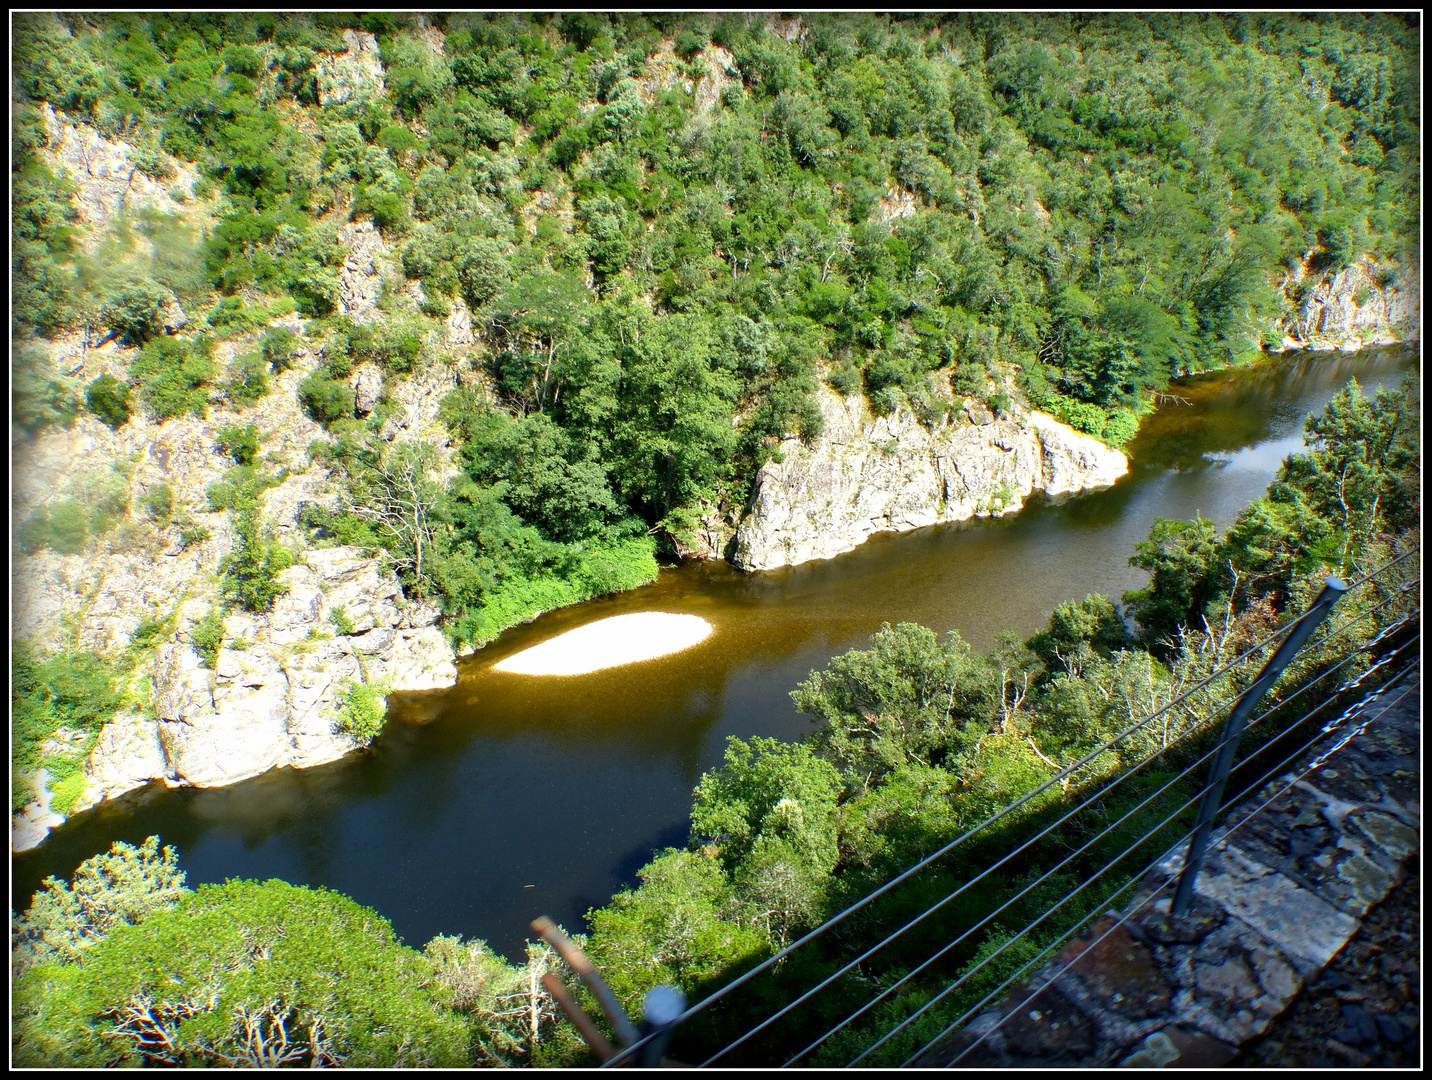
(870,474)
(1366,303)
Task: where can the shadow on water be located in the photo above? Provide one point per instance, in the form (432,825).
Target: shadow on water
(567,785)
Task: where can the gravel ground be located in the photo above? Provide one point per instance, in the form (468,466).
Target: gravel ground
(1364,1009)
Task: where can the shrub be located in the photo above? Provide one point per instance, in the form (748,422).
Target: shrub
(208,635)
(341,622)
(131,311)
(107,891)
(158,503)
(62,527)
(230,966)
(240,443)
(279,348)
(247,381)
(173,377)
(361,710)
(108,399)
(844,379)
(326,399)
(251,570)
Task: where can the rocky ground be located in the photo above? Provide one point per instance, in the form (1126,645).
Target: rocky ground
(1363,1010)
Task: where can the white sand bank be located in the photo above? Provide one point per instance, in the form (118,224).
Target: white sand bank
(622,639)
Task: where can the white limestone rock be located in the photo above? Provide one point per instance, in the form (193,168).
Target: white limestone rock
(869,474)
(1361,305)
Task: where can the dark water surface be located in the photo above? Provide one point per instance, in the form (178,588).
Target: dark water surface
(511,796)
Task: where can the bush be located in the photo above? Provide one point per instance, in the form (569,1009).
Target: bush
(844,379)
(208,636)
(108,399)
(173,377)
(230,966)
(362,709)
(251,570)
(247,381)
(158,503)
(63,527)
(341,622)
(75,689)
(326,399)
(240,443)
(107,891)
(131,311)
(279,348)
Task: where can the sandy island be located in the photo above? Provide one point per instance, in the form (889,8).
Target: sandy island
(622,639)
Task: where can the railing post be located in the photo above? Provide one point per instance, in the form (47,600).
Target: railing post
(1311,619)
(661,1008)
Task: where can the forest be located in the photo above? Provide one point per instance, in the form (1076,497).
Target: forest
(668,228)
(917,739)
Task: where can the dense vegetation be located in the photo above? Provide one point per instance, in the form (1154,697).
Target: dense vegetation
(668,227)
(919,738)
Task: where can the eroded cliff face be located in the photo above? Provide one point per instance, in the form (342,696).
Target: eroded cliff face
(870,474)
(1364,304)
(269,700)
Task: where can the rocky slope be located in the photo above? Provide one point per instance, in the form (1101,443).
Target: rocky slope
(271,698)
(869,474)
(1364,304)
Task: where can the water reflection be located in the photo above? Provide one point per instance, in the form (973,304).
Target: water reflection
(568,784)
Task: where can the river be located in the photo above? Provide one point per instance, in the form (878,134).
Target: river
(509,796)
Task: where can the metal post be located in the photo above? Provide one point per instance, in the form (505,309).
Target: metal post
(661,1008)
(1311,619)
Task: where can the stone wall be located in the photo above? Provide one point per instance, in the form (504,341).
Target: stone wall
(868,474)
(1278,897)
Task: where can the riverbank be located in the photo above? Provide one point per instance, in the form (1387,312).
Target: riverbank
(576,782)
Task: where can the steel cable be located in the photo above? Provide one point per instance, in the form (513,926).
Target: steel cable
(1093,798)
(1064,774)
(1314,680)
(1226,833)
(963,977)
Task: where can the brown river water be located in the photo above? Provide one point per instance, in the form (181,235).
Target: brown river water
(512,796)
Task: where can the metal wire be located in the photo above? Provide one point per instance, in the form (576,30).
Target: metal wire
(1227,832)
(1062,775)
(965,976)
(1314,680)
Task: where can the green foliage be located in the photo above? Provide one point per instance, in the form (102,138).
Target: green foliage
(247,380)
(250,571)
(908,698)
(279,348)
(108,399)
(131,312)
(173,377)
(208,636)
(158,503)
(361,710)
(240,443)
(326,399)
(61,526)
(120,888)
(341,622)
(75,689)
(225,970)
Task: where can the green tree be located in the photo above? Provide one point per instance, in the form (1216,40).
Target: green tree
(246,973)
(119,888)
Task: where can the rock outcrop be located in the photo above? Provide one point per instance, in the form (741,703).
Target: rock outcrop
(1361,305)
(353,75)
(270,699)
(869,474)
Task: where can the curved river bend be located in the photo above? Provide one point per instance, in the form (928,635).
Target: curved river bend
(511,796)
